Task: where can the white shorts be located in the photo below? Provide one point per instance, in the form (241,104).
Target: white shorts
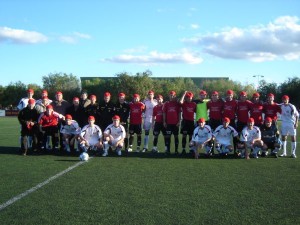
(147,125)
(288,130)
(93,141)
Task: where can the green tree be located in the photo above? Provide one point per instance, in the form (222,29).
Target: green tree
(291,88)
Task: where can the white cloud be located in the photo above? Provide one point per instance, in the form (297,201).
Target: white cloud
(74,37)
(194,26)
(154,57)
(279,39)
(21,36)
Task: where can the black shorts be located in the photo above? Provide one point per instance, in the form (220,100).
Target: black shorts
(270,145)
(159,127)
(135,129)
(187,127)
(172,129)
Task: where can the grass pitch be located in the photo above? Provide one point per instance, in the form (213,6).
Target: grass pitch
(146,189)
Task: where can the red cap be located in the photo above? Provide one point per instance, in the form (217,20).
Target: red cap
(202,92)
(250,120)
(45,98)
(91,118)
(93,97)
(45,92)
(58,93)
(256,95)
(159,96)
(68,117)
(107,94)
(136,96)
(243,93)
(285,97)
(189,95)
(150,92)
(229,92)
(226,119)
(31,101)
(201,120)
(116,117)
(271,95)
(121,94)
(75,99)
(49,107)
(215,93)
(172,93)
(268,119)
(30,90)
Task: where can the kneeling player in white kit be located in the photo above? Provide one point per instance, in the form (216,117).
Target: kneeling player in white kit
(91,136)
(250,139)
(223,135)
(201,137)
(289,118)
(70,131)
(114,136)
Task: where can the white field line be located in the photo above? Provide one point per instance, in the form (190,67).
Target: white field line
(40,185)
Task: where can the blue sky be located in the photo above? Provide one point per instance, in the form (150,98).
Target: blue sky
(190,38)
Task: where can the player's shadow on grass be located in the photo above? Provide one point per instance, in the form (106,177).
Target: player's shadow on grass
(9,150)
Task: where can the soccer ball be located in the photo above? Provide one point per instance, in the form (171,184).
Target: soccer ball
(84,156)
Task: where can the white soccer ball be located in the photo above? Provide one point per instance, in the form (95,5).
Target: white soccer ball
(84,156)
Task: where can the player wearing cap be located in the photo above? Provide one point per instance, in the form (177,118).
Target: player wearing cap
(93,109)
(158,125)
(91,136)
(28,118)
(122,109)
(136,110)
(256,110)
(289,118)
(250,140)
(201,109)
(114,136)
(70,131)
(229,111)
(223,135)
(271,109)
(243,108)
(201,138)
(188,108)
(270,137)
(84,101)
(77,112)
(43,94)
(41,106)
(171,118)
(106,111)
(24,101)
(149,103)
(48,125)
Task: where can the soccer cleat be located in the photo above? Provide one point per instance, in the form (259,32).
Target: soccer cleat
(283,155)
(144,150)
(293,156)
(105,154)
(129,149)
(183,152)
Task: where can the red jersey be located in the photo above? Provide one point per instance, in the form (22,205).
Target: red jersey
(158,113)
(188,110)
(256,112)
(215,109)
(243,109)
(48,120)
(136,111)
(229,109)
(172,110)
(271,110)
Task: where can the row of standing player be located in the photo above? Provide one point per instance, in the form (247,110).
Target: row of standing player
(170,116)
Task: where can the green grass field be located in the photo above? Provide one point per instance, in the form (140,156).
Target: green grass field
(142,189)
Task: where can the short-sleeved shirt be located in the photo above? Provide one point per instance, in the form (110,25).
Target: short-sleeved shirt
(201,135)
(172,110)
(136,112)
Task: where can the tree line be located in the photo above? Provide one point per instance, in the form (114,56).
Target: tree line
(141,83)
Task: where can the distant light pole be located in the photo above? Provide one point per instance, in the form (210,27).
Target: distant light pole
(258,76)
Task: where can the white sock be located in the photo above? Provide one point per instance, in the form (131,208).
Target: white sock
(293,147)
(146,141)
(284,147)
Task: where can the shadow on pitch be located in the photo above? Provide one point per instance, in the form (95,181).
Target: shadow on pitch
(9,150)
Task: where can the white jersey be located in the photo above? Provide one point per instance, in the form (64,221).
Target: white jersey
(289,114)
(223,135)
(116,132)
(201,135)
(73,128)
(23,103)
(91,133)
(41,100)
(149,109)
(248,135)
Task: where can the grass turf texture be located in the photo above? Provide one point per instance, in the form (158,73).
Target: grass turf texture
(143,189)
